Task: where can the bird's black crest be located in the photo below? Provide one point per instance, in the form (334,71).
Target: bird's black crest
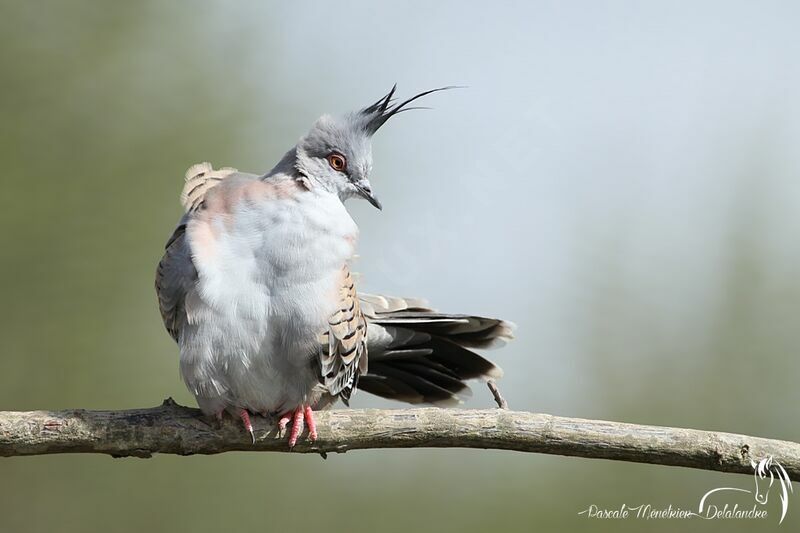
(378,113)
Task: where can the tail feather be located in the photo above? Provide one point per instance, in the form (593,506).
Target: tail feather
(386,386)
(401,380)
(417,355)
(467,331)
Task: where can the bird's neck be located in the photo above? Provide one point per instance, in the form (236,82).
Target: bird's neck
(288,169)
(287,166)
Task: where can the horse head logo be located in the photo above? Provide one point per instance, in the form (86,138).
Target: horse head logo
(765,472)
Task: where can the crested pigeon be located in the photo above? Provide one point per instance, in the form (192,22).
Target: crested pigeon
(256,289)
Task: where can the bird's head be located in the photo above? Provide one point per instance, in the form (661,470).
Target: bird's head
(337,152)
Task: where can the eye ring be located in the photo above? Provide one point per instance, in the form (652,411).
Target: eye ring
(337,162)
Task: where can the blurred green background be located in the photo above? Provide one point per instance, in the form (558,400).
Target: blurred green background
(620,179)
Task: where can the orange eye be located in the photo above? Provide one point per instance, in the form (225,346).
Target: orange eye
(337,162)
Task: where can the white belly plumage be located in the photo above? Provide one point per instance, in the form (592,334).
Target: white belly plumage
(267,276)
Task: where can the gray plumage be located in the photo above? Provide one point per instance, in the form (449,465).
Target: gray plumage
(255,288)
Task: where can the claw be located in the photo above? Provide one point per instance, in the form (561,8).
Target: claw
(245,416)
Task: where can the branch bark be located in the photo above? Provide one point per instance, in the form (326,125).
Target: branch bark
(174,429)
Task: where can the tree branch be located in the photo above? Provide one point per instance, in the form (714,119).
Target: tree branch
(170,428)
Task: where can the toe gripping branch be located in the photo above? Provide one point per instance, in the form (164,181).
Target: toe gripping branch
(300,417)
(303,414)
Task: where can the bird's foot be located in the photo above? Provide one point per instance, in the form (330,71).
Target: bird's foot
(302,414)
(245,416)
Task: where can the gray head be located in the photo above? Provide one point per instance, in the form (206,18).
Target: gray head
(337,152)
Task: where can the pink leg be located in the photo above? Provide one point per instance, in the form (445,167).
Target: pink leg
(302,414)
(245,416)
(312,425)
(297,426)
(284,421)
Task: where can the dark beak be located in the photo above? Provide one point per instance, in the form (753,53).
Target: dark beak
(366,193)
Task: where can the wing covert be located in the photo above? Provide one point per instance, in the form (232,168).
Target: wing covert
(343,357)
